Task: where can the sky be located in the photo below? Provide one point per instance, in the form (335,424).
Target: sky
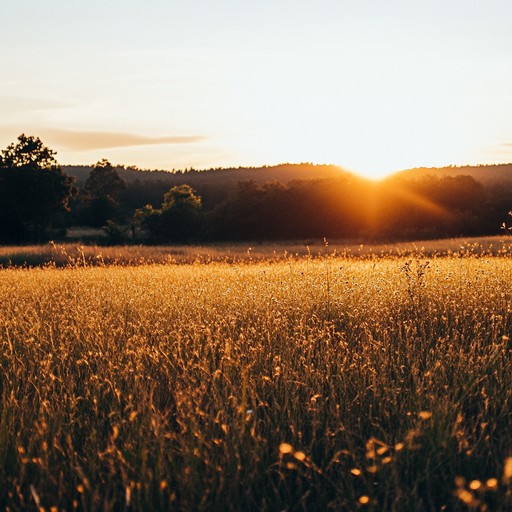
(373,86)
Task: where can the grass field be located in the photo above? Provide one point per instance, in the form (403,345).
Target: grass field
(77,254)
(279,383)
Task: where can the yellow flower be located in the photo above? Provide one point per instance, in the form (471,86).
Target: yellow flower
(285,448)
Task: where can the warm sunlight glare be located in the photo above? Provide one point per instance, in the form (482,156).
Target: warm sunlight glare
(373,87)
(376,173)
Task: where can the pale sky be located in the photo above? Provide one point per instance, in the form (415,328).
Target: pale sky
(372,85)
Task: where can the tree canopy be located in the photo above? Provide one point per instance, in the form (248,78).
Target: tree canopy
(101,194)
(179,219)
(28,152)
(181,197)
(35,196)
(103,182)
(34,190)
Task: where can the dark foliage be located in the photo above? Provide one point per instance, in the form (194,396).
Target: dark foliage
(34,191)
(289,201)
(350,207)
(101,195)
(178,220)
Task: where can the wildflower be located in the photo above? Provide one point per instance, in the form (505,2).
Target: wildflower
(465,496)
(492,483)
(474,485)
(300,455)
(507,470)
(285,448)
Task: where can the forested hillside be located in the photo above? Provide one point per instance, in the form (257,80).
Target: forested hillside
(282,172)
(213,185)
(305,200)
(40,200)
(486,174)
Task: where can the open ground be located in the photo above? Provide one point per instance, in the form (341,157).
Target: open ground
(312,377)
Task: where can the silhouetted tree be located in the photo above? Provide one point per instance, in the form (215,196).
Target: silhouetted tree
(101,194)
(301,209)
(178,220)
(33,190)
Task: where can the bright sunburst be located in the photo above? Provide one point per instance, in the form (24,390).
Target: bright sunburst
(370,86)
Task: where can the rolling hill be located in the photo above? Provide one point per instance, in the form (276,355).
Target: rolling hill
(282,173)
(486,174)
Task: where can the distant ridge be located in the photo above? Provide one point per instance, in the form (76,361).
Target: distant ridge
(485,174)
(282,173)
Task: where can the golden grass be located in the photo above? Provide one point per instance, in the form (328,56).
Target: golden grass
(300,384)
(76,254)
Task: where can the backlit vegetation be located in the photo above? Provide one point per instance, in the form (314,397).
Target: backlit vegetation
(298,383)
(69,254)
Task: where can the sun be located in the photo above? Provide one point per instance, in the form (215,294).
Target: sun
(376,176)
(373,173)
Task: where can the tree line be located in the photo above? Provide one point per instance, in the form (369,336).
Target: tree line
(39,201)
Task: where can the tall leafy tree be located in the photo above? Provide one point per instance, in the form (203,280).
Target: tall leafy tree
(34,190)
(178,220)
(101,194)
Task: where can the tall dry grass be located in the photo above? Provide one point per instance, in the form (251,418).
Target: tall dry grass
(77,254)
(304,384)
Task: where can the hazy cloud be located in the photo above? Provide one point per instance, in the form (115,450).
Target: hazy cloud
(11,104)
(89,140)
(500,150)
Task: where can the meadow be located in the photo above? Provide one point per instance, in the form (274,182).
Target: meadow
(312,380)
(74,253)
